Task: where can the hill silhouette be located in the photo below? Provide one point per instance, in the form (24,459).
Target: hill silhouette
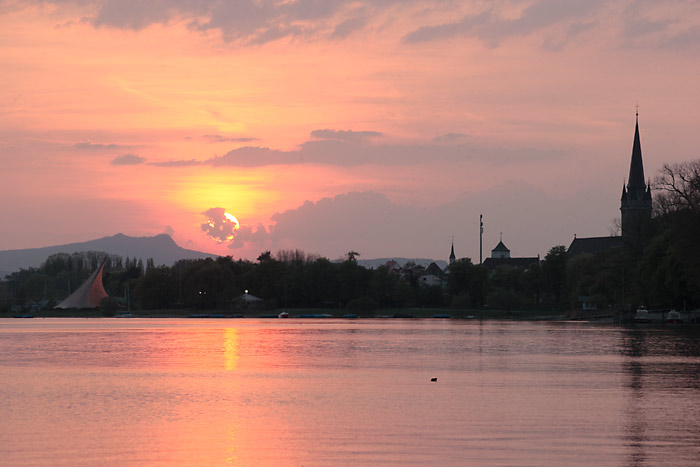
(162,248)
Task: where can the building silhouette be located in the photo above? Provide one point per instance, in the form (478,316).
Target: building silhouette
(635,205)
(635,208)
(501,251)
(500,256)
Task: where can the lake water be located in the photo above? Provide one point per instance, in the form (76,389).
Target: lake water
(333,392)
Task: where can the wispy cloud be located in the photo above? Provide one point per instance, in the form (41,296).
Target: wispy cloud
(90,146)
(128,159)
(229,139)
(348,27)
(248,21)
(257,22)
(345,135)
(450,138)
(491,28)
(176,163)
(348,148)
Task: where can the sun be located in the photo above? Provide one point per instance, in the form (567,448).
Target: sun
(233,219)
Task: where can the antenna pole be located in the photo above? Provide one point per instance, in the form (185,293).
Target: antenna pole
(481,238)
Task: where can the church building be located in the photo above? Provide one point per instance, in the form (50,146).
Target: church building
(635,208)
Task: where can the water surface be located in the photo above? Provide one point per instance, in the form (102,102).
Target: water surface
(338,392)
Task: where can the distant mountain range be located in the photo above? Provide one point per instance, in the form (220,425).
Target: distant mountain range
(162,248)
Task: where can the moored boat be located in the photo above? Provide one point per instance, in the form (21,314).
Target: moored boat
(642,316)
(674,317)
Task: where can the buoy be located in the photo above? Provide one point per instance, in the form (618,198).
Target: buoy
(433,379)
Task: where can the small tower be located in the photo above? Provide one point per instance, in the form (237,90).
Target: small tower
(635,204)
(452,253)
(501,251)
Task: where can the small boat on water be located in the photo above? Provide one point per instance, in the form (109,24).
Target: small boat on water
(284,314)
(674,317)
(642,316)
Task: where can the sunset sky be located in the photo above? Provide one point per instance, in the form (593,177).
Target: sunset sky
(384,127)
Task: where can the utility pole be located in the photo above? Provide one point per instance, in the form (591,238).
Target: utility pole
(481,237)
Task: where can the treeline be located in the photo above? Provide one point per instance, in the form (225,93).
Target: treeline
(294,279)
(288,279)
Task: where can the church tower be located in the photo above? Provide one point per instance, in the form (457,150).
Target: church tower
(636,196)
(453,258)
(501,250)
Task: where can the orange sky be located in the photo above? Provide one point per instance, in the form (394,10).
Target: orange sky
(126,117)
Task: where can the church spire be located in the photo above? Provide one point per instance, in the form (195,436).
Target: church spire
(453,258)
(636,202)
(636,185)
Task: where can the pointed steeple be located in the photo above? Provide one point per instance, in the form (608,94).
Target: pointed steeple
(636,202)
(636,186)
(453,258)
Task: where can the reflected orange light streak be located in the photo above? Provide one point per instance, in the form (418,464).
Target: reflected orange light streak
(231,349)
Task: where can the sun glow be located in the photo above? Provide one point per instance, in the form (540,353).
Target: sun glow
(233,219)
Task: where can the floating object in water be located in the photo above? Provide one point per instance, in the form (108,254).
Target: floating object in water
(433,379)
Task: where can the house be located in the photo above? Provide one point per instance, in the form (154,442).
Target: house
(432,276)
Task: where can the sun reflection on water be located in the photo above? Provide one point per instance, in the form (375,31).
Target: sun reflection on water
(231,349)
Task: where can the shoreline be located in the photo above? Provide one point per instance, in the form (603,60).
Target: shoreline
(399,313)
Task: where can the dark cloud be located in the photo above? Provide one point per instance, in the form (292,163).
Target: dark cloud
(90,146)
(672,33)
(176,163)
(354,153)
(219,226)
(128,159)
(488,27)
(556,42)
(345,135)
(349,26)
(248,236)
(136,14)
(348,148)
(249,156)
(255,22)
(248,21)
(447,30)
(369,222)
(688,38)
(450,137)
(231,139)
